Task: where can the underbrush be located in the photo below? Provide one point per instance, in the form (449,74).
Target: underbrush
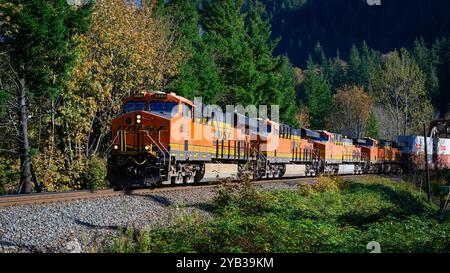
(332,216)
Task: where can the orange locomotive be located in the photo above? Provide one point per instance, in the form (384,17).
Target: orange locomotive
(154,142)
(380,156)
(338,155)
(284,151)
(162,139)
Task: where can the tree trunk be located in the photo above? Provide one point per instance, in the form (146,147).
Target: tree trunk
(25,159)
(52,141)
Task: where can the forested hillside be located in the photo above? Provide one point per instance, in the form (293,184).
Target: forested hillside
(338,24)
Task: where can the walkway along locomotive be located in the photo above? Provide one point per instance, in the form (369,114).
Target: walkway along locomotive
(159,140)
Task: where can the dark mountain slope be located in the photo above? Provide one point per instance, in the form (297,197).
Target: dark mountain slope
(338,24)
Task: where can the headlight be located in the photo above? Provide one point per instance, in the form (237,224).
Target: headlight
(138,121)
(116,147)
(147,147)
(138,116)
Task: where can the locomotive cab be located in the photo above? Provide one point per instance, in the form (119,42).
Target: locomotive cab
(141,137)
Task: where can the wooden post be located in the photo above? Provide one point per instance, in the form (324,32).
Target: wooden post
(427,168)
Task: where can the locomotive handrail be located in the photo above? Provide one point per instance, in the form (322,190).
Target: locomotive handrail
(112,143)
(259,153)
(316,154)
(164,149)
(160,146)
(159,138)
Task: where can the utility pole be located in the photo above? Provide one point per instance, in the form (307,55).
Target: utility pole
(427,167)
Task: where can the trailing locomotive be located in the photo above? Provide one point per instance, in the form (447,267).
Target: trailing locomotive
(159,140)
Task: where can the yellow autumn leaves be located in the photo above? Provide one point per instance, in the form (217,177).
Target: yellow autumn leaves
(127,48)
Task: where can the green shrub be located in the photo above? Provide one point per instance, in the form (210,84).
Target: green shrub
(95,174)
(243,195)
(324,184)
(9,174)
(340,216)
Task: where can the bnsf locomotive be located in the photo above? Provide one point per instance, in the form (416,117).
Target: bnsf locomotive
(159,140)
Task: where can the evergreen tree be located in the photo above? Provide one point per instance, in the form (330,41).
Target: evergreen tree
(275,75)
(441,57)
(423,56)
(372,127)
(199,74)
(354,63)
(288,106)
(225,29)
(316,95)
(369,63)
(267,67)
(319,54)
(336,72)
(41,53)
(238,49)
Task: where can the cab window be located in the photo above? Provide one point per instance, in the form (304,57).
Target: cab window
(166,109)
(324,138)
(135,106)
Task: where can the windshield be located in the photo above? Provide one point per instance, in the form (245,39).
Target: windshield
(135,106)
(164,108)
(323,138)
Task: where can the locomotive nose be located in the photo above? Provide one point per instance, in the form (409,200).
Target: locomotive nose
(139,131)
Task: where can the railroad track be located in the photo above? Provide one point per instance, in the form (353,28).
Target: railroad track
(41,198)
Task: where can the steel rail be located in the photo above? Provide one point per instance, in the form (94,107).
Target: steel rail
(41,198)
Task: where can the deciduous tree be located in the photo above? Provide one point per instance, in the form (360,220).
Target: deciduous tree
(352,111)
(127,49)
(400,88)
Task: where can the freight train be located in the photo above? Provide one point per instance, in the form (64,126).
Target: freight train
(438,150)
(159,140)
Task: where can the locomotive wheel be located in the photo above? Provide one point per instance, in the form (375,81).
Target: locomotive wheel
(189,179)
(177,180)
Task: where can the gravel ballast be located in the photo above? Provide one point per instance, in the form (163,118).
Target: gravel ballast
(54,227)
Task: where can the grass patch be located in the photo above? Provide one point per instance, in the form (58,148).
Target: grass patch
(332,216)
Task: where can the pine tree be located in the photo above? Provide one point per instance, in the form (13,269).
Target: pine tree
(316,95)
(275,75)
(41,53)
(226,32)
(319,54)
(354,62)
(238,37)
(369,62)
(372,127)
(423,56)
(441,58)
(288,106)
(199,74)
(267,67)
